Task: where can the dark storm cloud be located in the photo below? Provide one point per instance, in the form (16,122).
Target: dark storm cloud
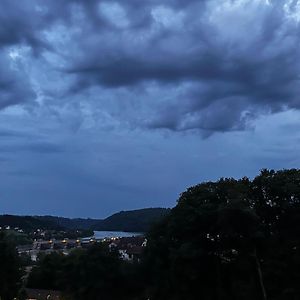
(92,92)
(14,88)
(23,23)
(235,75)
(238,58)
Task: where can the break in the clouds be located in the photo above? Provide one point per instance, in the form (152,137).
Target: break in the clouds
(127,94)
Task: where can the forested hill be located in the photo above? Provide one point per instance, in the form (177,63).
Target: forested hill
(77,223)
(135,220)
(27,223)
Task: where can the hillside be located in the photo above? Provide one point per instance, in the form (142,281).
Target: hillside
(135,220)
(77,223)
(27,222)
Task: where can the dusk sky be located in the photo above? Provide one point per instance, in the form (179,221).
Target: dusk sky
(118,105)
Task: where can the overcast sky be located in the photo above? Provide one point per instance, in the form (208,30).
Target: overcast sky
(117,105)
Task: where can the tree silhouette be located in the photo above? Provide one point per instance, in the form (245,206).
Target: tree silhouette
(10,273)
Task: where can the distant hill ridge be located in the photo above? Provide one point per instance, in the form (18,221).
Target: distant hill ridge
(139,220)
(135,220)
(68,223)
(27,223)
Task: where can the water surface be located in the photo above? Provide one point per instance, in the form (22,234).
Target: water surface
(112,234)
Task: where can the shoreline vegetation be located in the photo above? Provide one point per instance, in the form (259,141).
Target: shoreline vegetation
(233,239)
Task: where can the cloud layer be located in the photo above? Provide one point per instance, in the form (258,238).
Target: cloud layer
(79,75)
(219,65)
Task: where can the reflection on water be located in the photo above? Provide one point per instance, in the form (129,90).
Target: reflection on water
(112,234)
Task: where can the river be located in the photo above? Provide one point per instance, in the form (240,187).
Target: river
(113,234)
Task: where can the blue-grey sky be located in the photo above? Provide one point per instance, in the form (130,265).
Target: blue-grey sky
(117,105)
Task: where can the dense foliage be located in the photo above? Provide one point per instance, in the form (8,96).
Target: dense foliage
(225,240)
(17,238)
(10,274)
(231,239)
(96,273)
